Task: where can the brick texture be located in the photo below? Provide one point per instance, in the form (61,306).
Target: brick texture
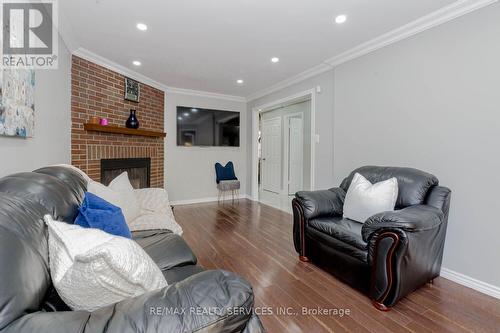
(97,91)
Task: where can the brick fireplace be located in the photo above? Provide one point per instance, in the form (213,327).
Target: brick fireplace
(98,91)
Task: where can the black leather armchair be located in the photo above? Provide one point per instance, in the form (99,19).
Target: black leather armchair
(392,253)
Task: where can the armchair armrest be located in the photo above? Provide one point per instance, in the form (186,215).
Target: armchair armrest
(210,301)
(321,203)
(412,219)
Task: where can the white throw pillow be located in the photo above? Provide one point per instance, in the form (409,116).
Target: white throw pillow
(156,212)
(364,200)
(120,193)
(91,269)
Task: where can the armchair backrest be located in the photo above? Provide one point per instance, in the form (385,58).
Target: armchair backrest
(224,172)
(413,184)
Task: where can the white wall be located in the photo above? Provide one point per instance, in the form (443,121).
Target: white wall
(323,167)
(433,102)
(51,143)
(430,102)
(190,171)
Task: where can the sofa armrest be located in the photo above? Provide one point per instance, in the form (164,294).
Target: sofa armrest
(410,219)
(321,203)
(211,301)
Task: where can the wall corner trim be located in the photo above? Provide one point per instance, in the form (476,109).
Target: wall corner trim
(470,282)
(441,16)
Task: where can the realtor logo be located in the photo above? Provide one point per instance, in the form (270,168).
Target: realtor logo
(29,31)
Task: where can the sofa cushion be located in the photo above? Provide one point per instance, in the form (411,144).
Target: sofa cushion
(180,273)
(167,249)
(345,230)
(413,184)
(329,244)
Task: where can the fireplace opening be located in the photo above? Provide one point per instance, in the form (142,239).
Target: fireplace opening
(138,169)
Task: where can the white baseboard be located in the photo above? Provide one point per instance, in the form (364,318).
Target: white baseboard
(203,200)
(470,282)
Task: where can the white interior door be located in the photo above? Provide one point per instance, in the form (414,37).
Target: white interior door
(271,155)
(295,155)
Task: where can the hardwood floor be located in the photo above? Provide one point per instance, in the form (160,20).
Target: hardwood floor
(255,241)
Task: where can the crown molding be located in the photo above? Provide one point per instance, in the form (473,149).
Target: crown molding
(66,32)
(441,16)
(316,70)
(104,62)
(200,93)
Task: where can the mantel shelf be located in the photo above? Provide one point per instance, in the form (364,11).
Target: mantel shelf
(122,130)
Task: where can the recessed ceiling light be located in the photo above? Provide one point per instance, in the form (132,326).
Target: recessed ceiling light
(194,110)
(340,19)
(136,63)
(275,59)
(185,114)
(239,81)
(180,118)
(142,26)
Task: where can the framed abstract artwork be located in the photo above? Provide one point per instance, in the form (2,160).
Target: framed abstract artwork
(17,102)
(131,90)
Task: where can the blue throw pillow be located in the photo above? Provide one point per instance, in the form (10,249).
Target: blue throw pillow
(225,172)
(97,213)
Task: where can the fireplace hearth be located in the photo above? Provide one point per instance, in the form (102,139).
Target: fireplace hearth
(138,169)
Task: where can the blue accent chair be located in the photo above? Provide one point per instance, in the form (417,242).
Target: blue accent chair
(226,180)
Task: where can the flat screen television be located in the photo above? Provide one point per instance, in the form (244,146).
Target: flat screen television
(206,127)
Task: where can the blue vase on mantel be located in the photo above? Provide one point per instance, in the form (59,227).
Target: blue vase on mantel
(132,121)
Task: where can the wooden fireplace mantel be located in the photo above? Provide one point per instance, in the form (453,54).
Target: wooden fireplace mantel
(122,130)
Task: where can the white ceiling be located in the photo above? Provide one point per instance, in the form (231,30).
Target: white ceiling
(207,45)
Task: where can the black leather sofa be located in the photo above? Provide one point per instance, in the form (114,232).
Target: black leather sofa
(392,253)
(212,301)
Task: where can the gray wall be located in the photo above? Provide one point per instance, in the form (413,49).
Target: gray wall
(189,171)
(305,109)
(430,102)
(433,102)
(323,176)
(51,143)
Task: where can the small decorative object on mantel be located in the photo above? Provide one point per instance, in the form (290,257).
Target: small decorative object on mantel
(94,120)
(131,90)
(132,121)
(104,122)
